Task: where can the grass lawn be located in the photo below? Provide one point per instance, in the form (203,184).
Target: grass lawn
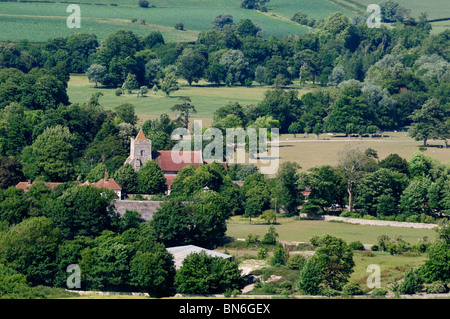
(206,98)
(302,230)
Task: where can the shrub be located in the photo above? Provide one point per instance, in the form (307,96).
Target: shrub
(375,248)
(179,26)
(143,3)
(352,288)
(252,239)
(262,253)
(315,240)
(295,261)
(437,287)
(279,256)
(270,238)
(356,245)
(379,292)
(413,282)
(118,92)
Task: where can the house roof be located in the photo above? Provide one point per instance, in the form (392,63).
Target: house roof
(181,252)
(26,185)
(169,180)
(140,136)
(167,164)
(107,183)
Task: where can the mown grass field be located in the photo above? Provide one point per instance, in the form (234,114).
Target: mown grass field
(302,230)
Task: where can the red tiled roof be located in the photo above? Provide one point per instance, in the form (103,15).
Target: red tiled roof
(25,185)
(108,183)
(140,136)
(169,180)
(167,164)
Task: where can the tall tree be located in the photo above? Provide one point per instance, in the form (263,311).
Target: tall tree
(185,109)
(354,163)
(150,179)
(286,190)
(429,122)
(191,65)
(51,156)
(169,84)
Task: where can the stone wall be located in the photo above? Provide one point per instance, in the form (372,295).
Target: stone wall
(146,208)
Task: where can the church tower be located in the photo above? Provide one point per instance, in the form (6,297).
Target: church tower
(140,151)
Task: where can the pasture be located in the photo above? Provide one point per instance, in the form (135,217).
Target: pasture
(308,151)
(290,229)
(48,20)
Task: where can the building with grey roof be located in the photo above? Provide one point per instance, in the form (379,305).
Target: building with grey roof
(179,253)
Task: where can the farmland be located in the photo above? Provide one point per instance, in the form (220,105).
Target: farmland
(302,149)
(48,20)
(290,229)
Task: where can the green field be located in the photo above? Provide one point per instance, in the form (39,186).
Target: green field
(302,230)
(307,151)
(206,98)
(436,8)
(48,20)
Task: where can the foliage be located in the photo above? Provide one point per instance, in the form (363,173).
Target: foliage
(413,282)
(295,261)
(150,179)
(436,267)
(203,274)
(279,256)
(270,238)
(30,247)
(82,211)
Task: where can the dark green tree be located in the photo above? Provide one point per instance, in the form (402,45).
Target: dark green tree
(150,179)
(30,248)
(203,274)
(83,211)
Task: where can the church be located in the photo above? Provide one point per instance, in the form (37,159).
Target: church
(141,152)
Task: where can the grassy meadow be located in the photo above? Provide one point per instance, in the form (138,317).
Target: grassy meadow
(48,20)
(307,151)
(290,229)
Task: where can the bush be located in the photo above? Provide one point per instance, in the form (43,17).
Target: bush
(375,248)
(379,292)
(270,238)
(356,245)
(179,26)
(315,240)
(413,282)
(118,92)
(248,82)
(437,287)
(143,3)
(295,261)
(279,256)
(352,288)
(263,253)
(252,239)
